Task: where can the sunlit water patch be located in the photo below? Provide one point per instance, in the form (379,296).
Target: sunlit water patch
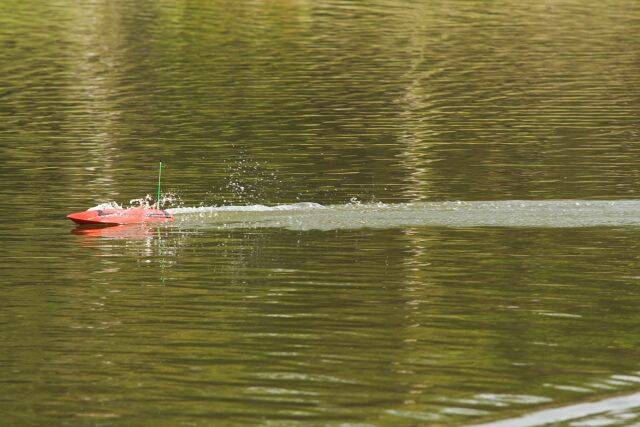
(619,410)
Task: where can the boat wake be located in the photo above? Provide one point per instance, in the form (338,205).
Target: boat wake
(506,213)
(247,208)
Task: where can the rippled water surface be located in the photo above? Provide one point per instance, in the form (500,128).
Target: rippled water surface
(387,212)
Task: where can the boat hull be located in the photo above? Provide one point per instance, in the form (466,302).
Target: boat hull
(121,216)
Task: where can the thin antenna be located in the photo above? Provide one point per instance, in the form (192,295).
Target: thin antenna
(159,177)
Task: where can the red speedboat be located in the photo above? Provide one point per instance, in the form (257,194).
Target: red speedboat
(121,216)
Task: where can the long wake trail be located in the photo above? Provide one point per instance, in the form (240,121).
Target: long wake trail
(504,213)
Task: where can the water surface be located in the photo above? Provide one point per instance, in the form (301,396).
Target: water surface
(459,237)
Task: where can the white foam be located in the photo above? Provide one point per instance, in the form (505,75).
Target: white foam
(245,208)
(106,205)
(503,213)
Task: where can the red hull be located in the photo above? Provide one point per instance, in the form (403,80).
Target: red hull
(120,216)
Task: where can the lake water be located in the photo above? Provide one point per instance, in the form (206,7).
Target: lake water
(388,213)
